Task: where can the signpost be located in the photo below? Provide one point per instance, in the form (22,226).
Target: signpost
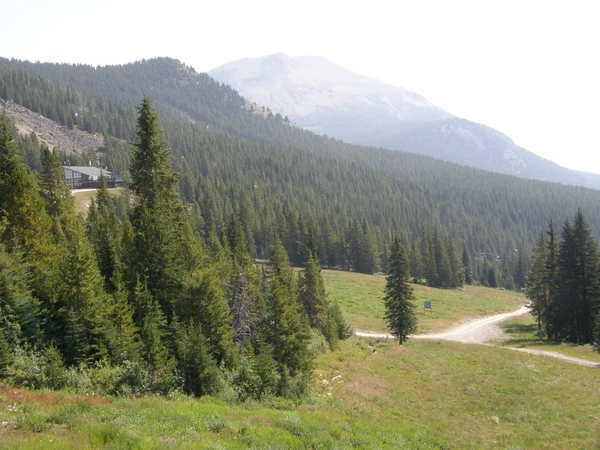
(427,306)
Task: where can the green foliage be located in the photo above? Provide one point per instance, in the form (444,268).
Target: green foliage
(312,296)
(399,298)
(564,283)
(288,331)
(103,229)
(197,367)
(205,303)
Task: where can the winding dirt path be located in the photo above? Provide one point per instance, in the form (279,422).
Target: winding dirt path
(481,331)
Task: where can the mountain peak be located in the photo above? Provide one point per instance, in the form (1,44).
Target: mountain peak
(320,95)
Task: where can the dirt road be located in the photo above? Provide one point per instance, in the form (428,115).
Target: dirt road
(480,331)
(476,331)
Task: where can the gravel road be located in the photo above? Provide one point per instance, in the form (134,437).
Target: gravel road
(481,331)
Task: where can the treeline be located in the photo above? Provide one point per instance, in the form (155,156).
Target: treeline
(564,283)
(133,301)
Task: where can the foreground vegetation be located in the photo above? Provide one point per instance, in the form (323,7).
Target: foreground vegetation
(361,299)
(421,395)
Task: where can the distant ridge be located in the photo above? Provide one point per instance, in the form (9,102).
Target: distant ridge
(323,97)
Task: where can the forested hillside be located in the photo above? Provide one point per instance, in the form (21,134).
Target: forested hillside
(342,200)
(141,304)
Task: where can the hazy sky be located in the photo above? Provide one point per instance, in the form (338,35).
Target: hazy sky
(530,69)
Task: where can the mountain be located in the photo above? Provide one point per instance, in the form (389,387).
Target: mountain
(323,97)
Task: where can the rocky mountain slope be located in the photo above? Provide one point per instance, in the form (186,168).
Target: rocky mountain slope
(49,132)
(325,98)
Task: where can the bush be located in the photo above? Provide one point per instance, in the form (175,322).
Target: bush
(28,369)
(215,423)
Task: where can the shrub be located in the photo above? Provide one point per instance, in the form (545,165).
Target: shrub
(28,368)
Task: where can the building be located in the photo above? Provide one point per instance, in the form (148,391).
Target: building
(87,177)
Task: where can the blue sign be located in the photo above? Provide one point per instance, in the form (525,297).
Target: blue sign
(427,304)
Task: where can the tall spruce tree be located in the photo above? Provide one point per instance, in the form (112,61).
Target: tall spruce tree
(159,220)
(312,294)
(551,278)
(467,267)
(399,298)
(104,230)
(536,289)
(288,331)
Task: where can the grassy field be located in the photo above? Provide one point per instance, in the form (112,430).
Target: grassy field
(83,199)
(360,297)
(521,332)
(422,395)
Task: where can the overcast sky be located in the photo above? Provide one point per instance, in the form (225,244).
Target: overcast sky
(530,69)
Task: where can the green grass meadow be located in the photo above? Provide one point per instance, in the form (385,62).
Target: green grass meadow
(424,395)
(361,299)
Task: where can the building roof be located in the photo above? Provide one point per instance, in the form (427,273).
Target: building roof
(90,171)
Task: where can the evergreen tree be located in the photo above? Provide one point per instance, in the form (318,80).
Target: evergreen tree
(205,303)
(492,279)
(197,367)
(288,331)
(162,232)
(587,272)
(312,294)
(56,194)
(83,307)
(126,339)
(22,210)
(104,231)
(152,326)
(399,298)
(551,278)
(536,289)
(468,269)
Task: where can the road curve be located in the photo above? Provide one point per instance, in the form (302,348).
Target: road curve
(480,331)
(476,331)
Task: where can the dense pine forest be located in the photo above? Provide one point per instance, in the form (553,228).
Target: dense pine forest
(341,202)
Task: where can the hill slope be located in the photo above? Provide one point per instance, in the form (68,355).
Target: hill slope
(289,179)
(328,99)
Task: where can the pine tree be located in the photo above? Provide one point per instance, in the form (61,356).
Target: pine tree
(399,298)
(312,294)
(104,232)
(536,289)
(467,267)
(151,172)
(492,278)
(22,210)
(152,325)
(551,279)
(205,303)
(288,332)
(126,341)
(83,305)
(196,366)
(59,202)
(166,248)
(587,278)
